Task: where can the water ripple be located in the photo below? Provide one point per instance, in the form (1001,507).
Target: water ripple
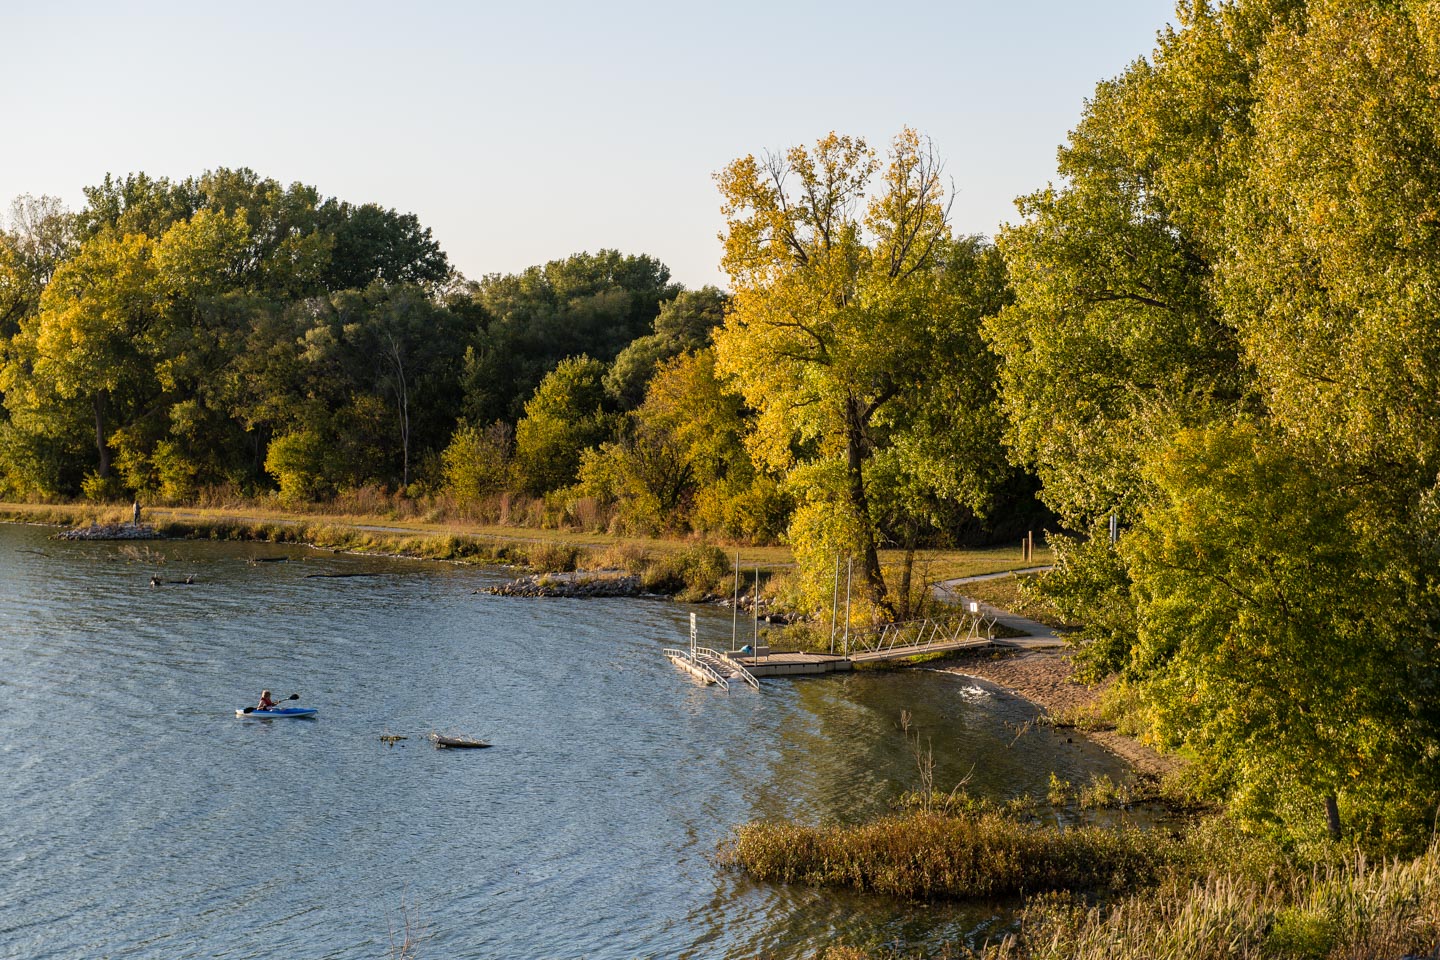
(587,831)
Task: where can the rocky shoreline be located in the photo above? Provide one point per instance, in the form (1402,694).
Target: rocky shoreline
(110,531)
(601,583)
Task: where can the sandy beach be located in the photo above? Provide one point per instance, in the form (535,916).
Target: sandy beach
(1046,678)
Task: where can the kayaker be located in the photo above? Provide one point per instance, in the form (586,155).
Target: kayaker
(265,702)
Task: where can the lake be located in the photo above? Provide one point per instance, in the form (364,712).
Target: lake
(142,818)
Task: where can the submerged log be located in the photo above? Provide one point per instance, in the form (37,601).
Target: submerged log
(441,740)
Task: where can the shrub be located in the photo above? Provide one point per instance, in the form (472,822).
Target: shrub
(297,462)
(630,557)
(98,489)
(698,571)
(552,557)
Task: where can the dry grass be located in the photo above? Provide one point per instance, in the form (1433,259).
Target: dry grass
(936,856)
(1011,594)
(951,564)
(371,520)
(1215,895)
(1349,910)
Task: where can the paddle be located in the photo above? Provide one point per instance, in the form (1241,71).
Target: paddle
(293,696)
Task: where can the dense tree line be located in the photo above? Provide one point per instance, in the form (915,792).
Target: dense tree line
(1225,335)
(229,335)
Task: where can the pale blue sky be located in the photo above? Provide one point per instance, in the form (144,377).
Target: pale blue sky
(524,133)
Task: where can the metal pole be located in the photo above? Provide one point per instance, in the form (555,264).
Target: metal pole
(756,605)
(849,573)
(834,603)
(735,607)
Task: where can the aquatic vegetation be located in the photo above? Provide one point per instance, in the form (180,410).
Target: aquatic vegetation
(932,855)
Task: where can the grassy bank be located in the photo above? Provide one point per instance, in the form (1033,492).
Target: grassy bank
(685,567)
(1348,910)
(1100,894)
(1014,594)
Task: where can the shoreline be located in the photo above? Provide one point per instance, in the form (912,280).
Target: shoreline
(1045,677)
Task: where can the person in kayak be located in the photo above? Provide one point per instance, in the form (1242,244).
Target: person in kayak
(265,702)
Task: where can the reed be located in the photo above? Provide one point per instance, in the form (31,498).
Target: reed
(552,557)
(928,855)
(1223,896)
(1351,909)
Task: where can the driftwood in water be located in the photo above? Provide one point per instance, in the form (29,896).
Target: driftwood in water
(443,741)
(269,559)
(337,576)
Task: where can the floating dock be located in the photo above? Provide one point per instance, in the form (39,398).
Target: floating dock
(894,641)
(792,663)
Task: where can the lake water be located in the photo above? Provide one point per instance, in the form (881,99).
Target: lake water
(142,818)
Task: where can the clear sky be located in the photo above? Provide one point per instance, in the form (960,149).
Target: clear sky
(521,133)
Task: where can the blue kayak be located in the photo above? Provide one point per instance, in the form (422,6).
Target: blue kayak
(277,714)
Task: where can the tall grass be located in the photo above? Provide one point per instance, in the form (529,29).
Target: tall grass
(1213,895)
(1353,909)
(927,855)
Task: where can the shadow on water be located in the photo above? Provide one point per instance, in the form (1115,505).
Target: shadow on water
(589,829)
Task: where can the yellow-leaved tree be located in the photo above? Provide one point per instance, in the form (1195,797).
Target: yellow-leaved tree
(852,312)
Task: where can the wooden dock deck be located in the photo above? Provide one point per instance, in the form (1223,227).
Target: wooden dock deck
(892,641)
(793,663)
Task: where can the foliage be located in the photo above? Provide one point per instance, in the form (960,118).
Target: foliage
(168,336)
(1272,638)
(298,463)
(846,319)
(565,416)
(700,570)
(587,304)
(477,461)
(680,461)
(683,324)
(1224,336)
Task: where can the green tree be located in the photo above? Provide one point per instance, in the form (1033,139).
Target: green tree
(565,416)
(680,461)
(372,372)
(85,355)
(592,304)
(1224,334)
(1116,340)
(1273,635)
(40,238)
(839,326)
(477,461)
(684,323)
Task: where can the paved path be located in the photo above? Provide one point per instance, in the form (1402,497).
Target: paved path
(1037,634)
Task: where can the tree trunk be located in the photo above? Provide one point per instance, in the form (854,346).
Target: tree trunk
(906,610)
(860,503)
(100,446)
(1332,816)
(402,401)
